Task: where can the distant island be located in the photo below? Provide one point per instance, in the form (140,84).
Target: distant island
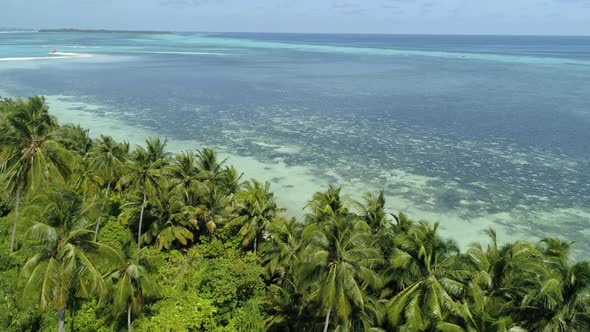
(107,31)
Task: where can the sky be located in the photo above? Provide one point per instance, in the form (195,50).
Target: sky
(537,17)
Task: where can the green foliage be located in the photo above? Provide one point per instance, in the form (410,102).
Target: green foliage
(89,316)
(249,318)
(114,234)
(178,243)
(5,205)
(12,318)
(59,265)
(337,266)
(229,283)
(181,311)
(256,211)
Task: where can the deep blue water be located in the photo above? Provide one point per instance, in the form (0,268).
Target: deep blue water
(495,123)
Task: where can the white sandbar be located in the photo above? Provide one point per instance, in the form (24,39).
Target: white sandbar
(53,56)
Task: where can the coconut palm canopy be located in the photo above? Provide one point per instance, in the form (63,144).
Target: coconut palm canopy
(96,235)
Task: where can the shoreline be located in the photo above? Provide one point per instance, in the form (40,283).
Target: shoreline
(294,185)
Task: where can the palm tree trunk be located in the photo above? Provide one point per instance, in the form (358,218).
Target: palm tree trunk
(106,197)
(129,316)
(327,321)
(255,244)
(61,318)
(12,239)
(72,315)
(141,221)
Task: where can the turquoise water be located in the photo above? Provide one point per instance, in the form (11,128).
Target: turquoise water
(470,131)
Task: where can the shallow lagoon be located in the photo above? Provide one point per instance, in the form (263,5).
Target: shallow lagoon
(464,132)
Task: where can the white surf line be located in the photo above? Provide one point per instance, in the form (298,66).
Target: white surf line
(7,32)
(181,53)
(54,56)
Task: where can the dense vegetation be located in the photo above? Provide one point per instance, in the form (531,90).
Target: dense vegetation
(98,236)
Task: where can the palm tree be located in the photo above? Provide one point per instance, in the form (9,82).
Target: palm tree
(403,224)
(432,277)
(156,150)
(214,208)
(506,271)
(85,180)
(60,263)
(208,164)
(336,266)
(370,319)
(172,219)
(144,170)
(75,139)
(184,174)
(256,211)
(489,312)
(229,180)
(288,310)
(183,170)
(279,252)
(30,156)
(502,277)
(106,160)
(561,299)
(325,205)
(373,211)
(211,204)
(129,283)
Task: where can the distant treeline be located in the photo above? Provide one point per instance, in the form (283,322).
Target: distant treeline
(107,31)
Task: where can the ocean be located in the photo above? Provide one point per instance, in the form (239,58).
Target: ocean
(469,131)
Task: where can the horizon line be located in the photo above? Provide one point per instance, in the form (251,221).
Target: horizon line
(309,33)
